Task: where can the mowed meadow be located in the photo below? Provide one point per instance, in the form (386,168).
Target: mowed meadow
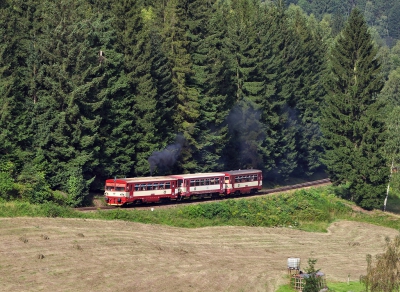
(237,244)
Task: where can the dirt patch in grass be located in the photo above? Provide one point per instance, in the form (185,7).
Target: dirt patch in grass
(93,255)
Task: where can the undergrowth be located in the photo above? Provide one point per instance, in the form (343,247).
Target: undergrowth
(309,210)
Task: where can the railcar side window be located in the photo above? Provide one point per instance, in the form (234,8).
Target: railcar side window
(161,186)
(207,181)
(137,188)
(155,186)
(167,185)
(212,181)
(192,183)
(197,182)
(217,180)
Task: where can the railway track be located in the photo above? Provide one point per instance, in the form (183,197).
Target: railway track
(174,203)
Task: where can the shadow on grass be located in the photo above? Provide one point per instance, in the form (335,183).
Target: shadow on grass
(393,204)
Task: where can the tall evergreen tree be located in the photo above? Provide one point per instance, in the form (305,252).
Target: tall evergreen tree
(72,86)
(18,73)
(176,46)
(207,30)
(352,122)
(244,51)
(279,69)
(309,90)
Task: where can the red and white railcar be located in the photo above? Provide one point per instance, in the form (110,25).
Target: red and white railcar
(200,185)
(123,191)
(240,182)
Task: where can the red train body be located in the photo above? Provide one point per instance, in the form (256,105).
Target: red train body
(240,182)
(138,190)
(124,191)
(200,185)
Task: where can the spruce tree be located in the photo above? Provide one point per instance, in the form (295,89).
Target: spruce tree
(207,30)
(352,122)
(279,69)
(73,84)
(308,88)
(244,47)
(176,46)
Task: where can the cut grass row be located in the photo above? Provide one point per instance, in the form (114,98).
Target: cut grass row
(309,210)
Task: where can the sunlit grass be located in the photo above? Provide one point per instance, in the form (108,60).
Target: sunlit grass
(311,210)
(333,287)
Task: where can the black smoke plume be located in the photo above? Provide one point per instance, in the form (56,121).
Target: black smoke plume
(165,159)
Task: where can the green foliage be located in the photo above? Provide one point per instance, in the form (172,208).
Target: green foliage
(312,283)
(311,210)
(352,120)
(102,85)
(283,210)
(77,188)
(34,188)
(7,186)
(383,274)
(24,208)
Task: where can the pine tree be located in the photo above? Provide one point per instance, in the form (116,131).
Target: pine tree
(73,83)
(352,122)
(19,64)
(244,47)
(308,88)
(279,69)
(176,46)
(207,30)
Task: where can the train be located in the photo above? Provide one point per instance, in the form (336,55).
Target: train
(162,189)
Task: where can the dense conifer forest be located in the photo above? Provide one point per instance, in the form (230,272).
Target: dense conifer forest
(93,89)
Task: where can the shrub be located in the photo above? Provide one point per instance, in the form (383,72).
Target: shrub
(384,273)
(8,188)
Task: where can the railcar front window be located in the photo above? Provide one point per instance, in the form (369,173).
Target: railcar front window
(109,188)
(119,189)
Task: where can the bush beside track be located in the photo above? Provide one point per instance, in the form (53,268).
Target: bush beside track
(312,210)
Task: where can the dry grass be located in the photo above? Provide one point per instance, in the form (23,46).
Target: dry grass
(91,255)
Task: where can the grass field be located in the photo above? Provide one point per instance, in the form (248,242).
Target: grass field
(233,245)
